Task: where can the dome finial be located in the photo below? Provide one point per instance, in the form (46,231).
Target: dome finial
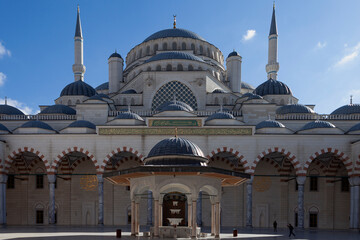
(5,100)
(176,133)
(221,108)
(274,5)
(351,96)
(174,21)
(269,117)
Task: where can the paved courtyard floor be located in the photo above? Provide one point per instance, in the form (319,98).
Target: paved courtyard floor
(107,233)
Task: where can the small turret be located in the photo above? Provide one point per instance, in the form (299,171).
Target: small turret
(116,65)
(78,67)
(233,71)
(273,66)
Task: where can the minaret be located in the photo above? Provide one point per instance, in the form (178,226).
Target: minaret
(78,67)
(273,66)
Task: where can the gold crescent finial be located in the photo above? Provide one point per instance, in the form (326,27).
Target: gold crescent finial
(274,5)
(174,21)
(78,8)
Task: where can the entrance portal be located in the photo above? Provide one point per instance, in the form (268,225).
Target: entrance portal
(174,208)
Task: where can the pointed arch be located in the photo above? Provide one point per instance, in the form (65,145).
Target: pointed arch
(241,158)
(139,156)
(341,155)
(289,155)
(12,155)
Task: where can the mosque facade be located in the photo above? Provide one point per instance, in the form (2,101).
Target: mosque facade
(176,105)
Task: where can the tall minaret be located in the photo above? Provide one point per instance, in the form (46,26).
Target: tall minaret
(273,66)
(78,67)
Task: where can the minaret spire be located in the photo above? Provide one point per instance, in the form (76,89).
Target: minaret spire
(78,67)
(273,66)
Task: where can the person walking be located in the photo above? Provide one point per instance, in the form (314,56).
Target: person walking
(291,229)
(275,226)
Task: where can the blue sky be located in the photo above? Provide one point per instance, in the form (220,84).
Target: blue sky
(319,43)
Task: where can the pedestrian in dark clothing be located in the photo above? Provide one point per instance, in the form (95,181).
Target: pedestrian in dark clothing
(291,229)
(275,226)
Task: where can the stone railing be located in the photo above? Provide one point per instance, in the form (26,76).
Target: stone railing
(327,117)
(151,113)
(42,117)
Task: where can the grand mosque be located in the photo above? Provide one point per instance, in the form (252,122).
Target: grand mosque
(175,140)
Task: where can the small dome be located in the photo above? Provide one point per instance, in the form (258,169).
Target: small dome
(129,115)
(115,54)
(294,108)
(58,109)
(347,109)
(250,96)
(78,88)
(317,124)
(175,146)
(174,106)
(103,86)
(102,95)
(218,90)
(82,124)
(220,115)
(130,91)
(234,53)
(37,124)
(269,124)
(174,32)
(9,110)
(174,55)
(3,128)
(272,87)
(246,86)
(356,127)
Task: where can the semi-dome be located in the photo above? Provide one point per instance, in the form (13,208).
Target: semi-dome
(129,115)
(115,54)
(9,110)
(103,86)
(175,106)
(174,55)
(78,88)
(129,91)
(269,124)
(233,54)
(174,32)
(347,109)
(272,87)
(356,127)
(37,124)
(58,109)
(250,96)
(220,115)
(3,128)
(317,124)
(176,151)
(294,108)
(82,124)
(245,85)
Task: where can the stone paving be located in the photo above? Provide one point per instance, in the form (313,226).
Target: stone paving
(95,233)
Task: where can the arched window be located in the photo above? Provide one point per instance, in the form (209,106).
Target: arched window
(167,91)
(140,53)
(164,46)
(208,52)
(183,46)
(156,47)
(39,178)
(193,47)
(158,68)
(180,67)
(190,68)
(148,69)
(216,101)
(124,102)
(313,217)
(148,50)
(174,46)
(168,67)
(78,101)
(224,101)
(132,102)
(201,49)
(200,68)
(39,211)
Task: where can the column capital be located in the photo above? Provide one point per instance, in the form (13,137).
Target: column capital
(354,181)
(100,178)
(251,179)
(301,180)
(3,178)
(51,178)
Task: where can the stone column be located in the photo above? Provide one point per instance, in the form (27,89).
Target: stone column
(199,210)
(160,214)
(193,225)
(133,217)
(189,214)
(52,180)
(301,182)
(149,208)
(217,220)
(213,219)
(355,184)
(249,202)
(351,206)
(137,218)
(101,198)
(3,180)
(156,218)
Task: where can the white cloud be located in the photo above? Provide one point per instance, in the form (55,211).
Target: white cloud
(4,51)
(249,34)
(354,53)
(320,45)
(19,105)
(2,78)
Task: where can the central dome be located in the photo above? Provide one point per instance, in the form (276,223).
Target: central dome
(272,87)
(174,32)
(78,88)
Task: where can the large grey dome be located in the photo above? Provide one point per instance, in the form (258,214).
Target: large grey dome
(9,110)
(174,32)
(78,88)
(272,87)
(103,86)
(269,124)
(294,108)
(3,128)
(356,127)
(59,109)
(174,55)
(317,124)
(347,109)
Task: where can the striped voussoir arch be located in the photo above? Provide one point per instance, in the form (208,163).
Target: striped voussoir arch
(55,164)
(357,167)
(120,150)
(241,158)
(289,155)
(2,167)
(11,157)
(341,155)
